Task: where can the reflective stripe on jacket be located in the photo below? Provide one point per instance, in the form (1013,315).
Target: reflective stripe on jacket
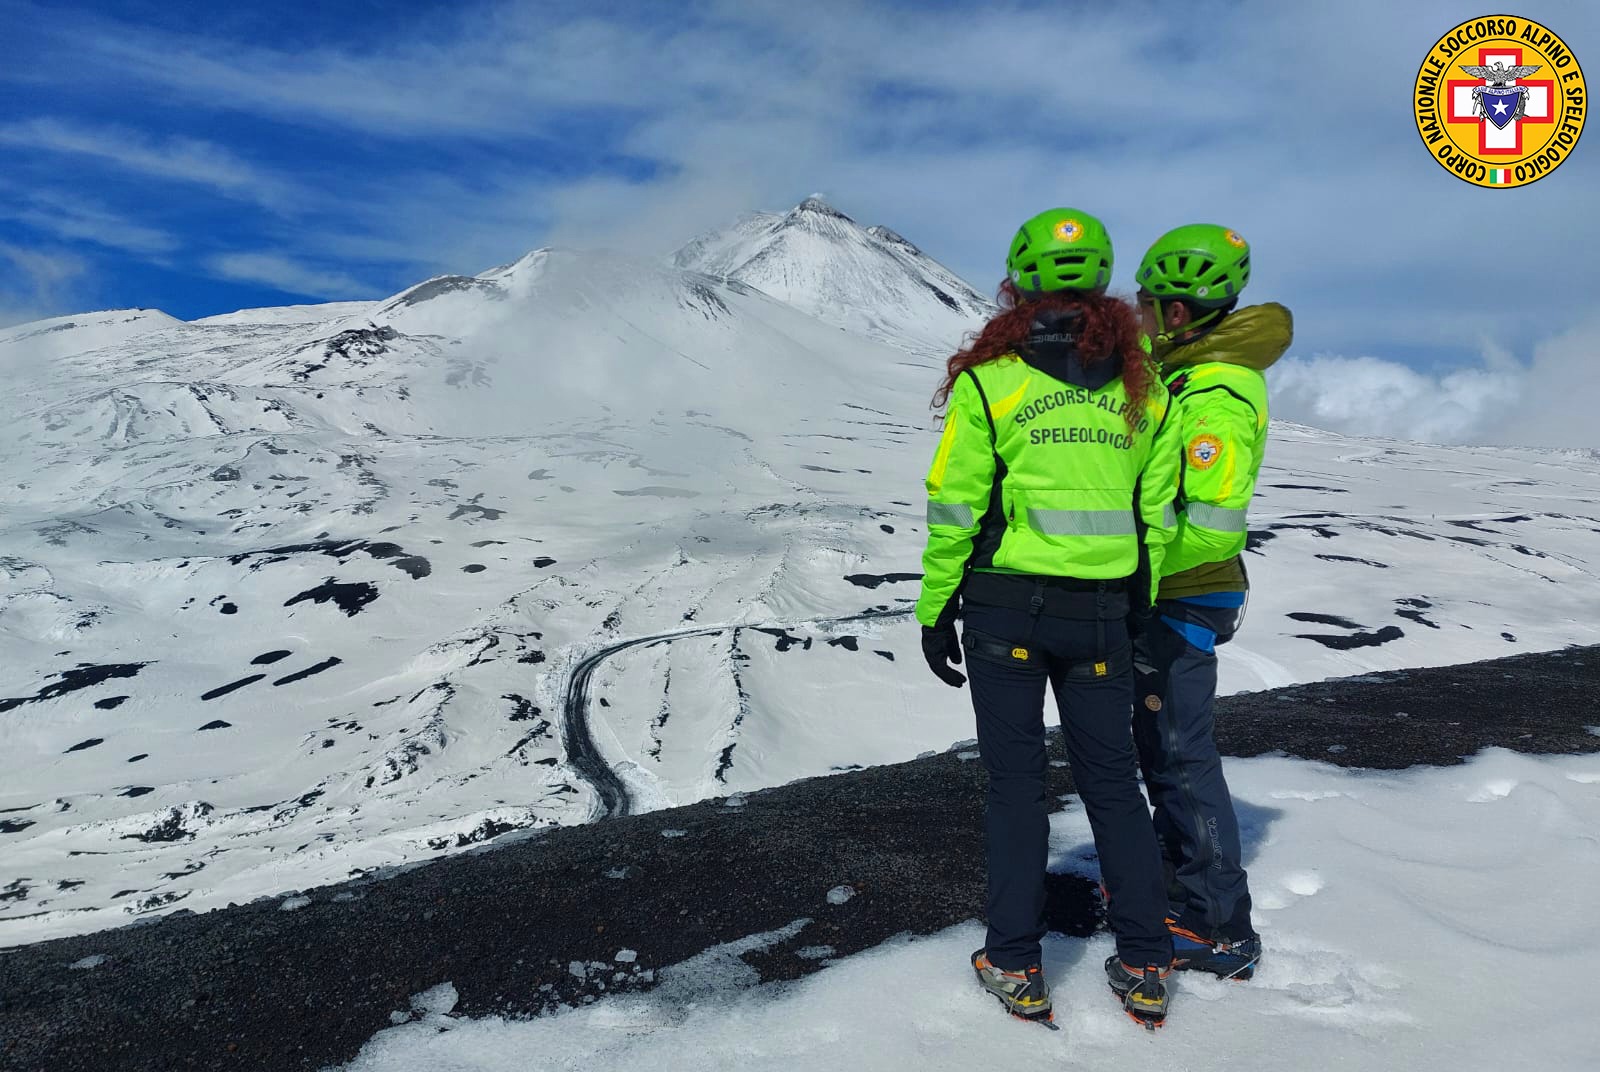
(1034,475)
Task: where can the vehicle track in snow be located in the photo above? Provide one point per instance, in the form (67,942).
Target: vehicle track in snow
(612,797)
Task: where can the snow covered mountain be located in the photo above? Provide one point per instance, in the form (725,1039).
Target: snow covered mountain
(290,595)
(63,336)
(864,279)
(281,600)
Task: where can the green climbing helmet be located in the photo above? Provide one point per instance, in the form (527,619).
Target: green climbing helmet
(1202,263)
(1062,249)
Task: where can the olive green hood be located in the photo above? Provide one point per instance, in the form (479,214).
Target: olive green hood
(1255,337)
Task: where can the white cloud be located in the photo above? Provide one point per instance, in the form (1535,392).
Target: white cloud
(935,126)
(409,86)
(35,283)
(69,218)
(1372,396)
(289,275)
(13,313)
(183,160)
(1547,401)
(1556,404)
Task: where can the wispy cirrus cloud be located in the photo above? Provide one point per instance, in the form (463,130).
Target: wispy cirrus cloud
(949,125)
(288,274)
(488,69)
(69,218)
(187,161)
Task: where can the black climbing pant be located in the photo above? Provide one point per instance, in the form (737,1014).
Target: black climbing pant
(1011,656)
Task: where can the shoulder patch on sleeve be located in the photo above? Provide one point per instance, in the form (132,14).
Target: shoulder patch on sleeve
(1204,451)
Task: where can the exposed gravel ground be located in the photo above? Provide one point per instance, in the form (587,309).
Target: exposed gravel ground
(257,987)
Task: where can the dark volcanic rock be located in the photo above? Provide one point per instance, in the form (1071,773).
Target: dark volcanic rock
(873,580)
(1324,619)
(350,598)
(1354,640)
(415,566)
(269,657)
(232,686)
(299,990)
(80,677)
(1350,558)
(300,675)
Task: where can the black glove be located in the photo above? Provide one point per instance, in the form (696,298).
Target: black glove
(941,647)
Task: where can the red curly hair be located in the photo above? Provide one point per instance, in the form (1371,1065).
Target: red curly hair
(1107,328)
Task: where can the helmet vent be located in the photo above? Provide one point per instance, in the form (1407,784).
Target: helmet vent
(1062,249)
(1203,262)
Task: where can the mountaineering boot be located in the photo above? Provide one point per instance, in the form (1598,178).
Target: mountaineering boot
(1226,959)
(1143,994)
(1024,993)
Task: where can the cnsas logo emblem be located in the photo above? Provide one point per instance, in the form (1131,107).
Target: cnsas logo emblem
(1069,230)
(1500,101)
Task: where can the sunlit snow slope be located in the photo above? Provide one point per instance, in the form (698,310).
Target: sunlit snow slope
(289,595)
(869,280)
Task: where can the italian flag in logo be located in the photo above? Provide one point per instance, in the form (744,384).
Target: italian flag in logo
(1499,177)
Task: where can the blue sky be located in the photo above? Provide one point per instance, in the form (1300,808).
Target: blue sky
(205,157)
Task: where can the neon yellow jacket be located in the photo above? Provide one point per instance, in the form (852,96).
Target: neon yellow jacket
(1222,398)
(1039,475)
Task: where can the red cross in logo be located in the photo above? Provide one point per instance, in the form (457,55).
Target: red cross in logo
(1493,141)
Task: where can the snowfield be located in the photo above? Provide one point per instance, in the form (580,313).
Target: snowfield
(1427,919)
(289,596)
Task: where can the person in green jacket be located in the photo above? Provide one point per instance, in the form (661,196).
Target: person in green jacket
(1213,356)
(1049,511)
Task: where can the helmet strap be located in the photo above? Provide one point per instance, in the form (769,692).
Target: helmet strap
(1156,307)
(1177,336)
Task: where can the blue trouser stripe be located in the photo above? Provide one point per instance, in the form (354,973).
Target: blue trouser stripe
(1198,635)
(1214,599)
